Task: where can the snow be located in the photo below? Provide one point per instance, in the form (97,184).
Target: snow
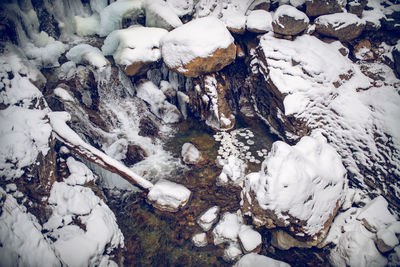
(63,94)
(290,11)
(339,20)
(169,195)
(259,20)
(86,26)
(200,240)
(197,38)
(160,14)
(227,228)
(253,259)
(208,218)
(84,53)
(135,44)
(111,16)
(232,252)
(80,174)
(305,181)
(180,7)
(190,154)
(75,246)
(375,215)
(159,106)
(232,171)
(18,226)
(249,238)
(388,235)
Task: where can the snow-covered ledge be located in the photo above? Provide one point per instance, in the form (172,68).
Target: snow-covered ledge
(163,195)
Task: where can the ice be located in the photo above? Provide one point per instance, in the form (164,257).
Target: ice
(259,20)
(375,215)
(253,259)
(208,218)
(197,38)
(160,14)
(249,238)
(84,53)
(169,195)
(227,228)
(18,227)
(305,181)
(135,44)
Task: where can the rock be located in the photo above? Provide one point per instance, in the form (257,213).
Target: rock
(386,239)
(191,54)
(252,260)
(232,172)
(259,21)
(168,196)
(284,241)
(191,155)
(391,19)
(232,252)
(227,229)
(250,240)
(285,192)
(362,50)
(396,59)
(147,127)
(289,20)
(375,215)
(343,26)
(135,48)
(322,7)
(208,218)
(356,7)
(134,154)
(200,240)
(159,14)
(261,5)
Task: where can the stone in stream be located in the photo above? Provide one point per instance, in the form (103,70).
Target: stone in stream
(200,240)
(191,155)
(253,260)
(168,196)
(250,240)
(208,218)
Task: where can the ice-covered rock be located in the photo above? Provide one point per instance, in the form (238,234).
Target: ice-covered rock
(253,259)
(323,7)
(191,155)
(200,240)
(288,20)
(375,215)
(200,46)
(250,240)
(84,53)
(208,218)
(151,94)
(301,186)
(232,172)
(168,196)
(134,48)
(159,14)
(344,26)
(259,21)
(228,228)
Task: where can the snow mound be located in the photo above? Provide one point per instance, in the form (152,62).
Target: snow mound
(135,44)
(197,38)
(304,181)
(84,53)
(259,21)
(160,14)
(252,260)
(168,195)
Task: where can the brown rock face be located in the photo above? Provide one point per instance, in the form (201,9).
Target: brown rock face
(322,7)
(213,63)
(287,25)
(343,33)
(356,6)
(137,68)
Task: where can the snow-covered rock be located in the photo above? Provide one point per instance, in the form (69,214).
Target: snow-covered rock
(299,185)
(232,172)
(259,21)
(200,240)
(181,8)
(208,218)
(344,26)
(253,259)
(288,20)
(228,228)
(191,155)
(80,173)
(198,47)
(387,238)
(356,6)
(250,239)
(160,107)
(159,14)
(84,53)
(134,48)
(168,196)
(323,7)
(232,252)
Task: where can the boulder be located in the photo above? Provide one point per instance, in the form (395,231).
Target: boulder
(168,196)
(322,7)
(356,7)
(208,218)
(259,21)
(343,26)
(191,155)
(289,20)
(250,240)
(134,154)
(135,48)
(300,187)
(198,47)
